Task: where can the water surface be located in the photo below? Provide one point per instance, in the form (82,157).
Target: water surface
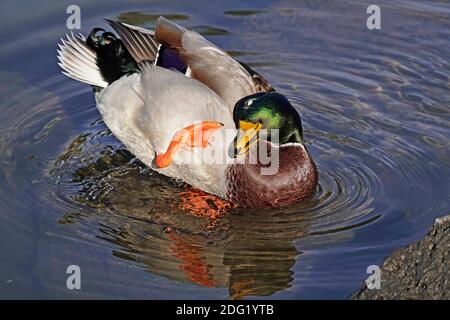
(375,108)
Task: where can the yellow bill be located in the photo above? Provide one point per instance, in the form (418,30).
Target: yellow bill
(247,137)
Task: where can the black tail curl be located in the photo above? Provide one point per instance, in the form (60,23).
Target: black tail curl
(113,59)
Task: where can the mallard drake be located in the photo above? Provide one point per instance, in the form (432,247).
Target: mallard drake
(171,96)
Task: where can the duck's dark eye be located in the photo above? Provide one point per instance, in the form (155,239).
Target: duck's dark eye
(249,102)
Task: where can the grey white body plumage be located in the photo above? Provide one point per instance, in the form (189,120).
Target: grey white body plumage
(144,110)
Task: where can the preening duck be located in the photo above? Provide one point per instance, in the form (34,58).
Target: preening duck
(174,99)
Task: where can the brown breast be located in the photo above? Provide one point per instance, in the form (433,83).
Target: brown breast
(295,180)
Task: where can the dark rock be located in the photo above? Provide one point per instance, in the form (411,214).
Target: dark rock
(419,271)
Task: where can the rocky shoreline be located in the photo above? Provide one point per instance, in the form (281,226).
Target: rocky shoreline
(419,271)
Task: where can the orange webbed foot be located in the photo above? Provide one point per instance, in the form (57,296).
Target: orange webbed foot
(196,135)
(203,204)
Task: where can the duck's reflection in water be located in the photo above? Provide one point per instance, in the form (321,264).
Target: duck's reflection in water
(250,252)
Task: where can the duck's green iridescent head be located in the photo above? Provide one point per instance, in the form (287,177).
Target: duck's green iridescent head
(269,111)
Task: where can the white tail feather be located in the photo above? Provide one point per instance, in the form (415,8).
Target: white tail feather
(79,62)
